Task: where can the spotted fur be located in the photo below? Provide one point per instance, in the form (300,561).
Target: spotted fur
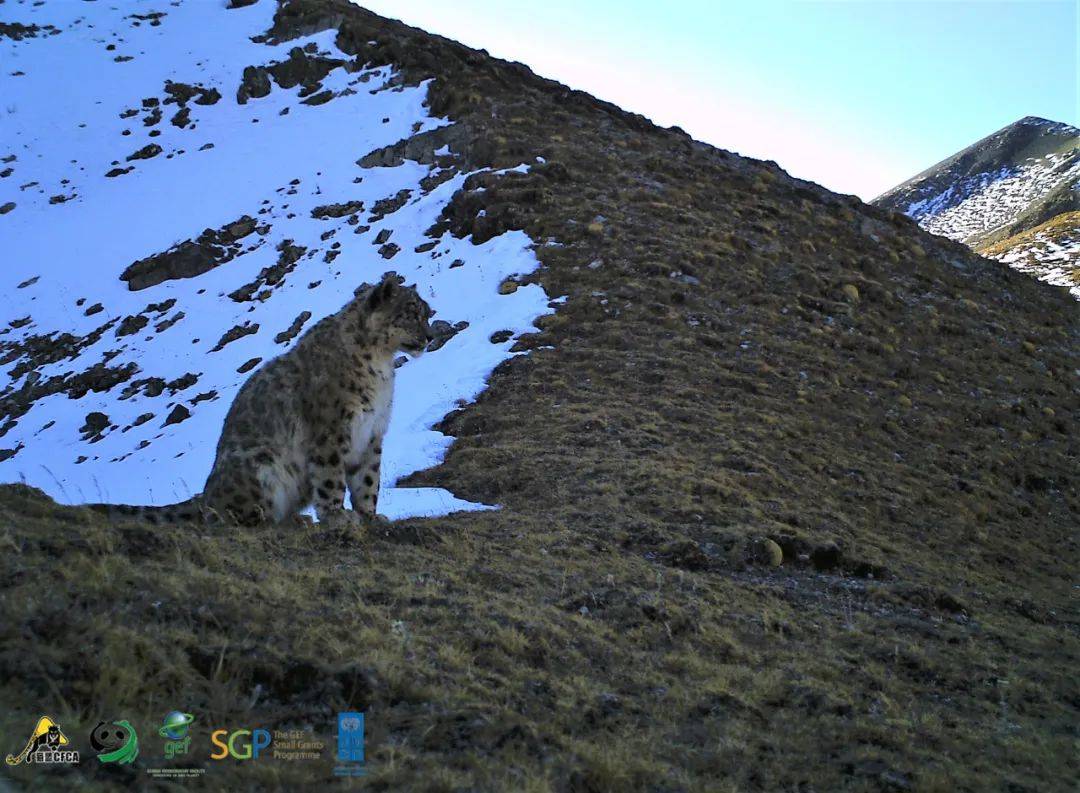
(309,424)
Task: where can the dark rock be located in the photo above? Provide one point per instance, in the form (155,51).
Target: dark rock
(191,257)
(302,69)
(180,383)
(146,152)
(320,98)
(289,333)
(337,210)
(254,84)
(826,556)
(389,205)
(234,333)
(95,424)
(442,331)
(132,324)
(178,414)
(181,118)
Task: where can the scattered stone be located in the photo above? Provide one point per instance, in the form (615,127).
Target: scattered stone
(17,31)
(180,383)
(826,556)
(145,153)
(234,333)
(239,229)
(181,118)
(132,324)
(178,414)
(168,323)
(182,93)
(93,427)
(208,96)
(271,276)
(7,454)
(442,331)
(686,554)
(289,333)
(387,206)
(249,365)
(337,210)
(320,98)
(190,258)
(5,208)
(763,551)
(500,336)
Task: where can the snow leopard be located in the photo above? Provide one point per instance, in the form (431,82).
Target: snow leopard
(310,422)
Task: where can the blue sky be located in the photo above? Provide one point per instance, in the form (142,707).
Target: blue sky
(857,95)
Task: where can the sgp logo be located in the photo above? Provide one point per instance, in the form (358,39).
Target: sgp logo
(241,744)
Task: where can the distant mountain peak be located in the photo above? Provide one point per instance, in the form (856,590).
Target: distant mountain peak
(1014,196)
(1038,121)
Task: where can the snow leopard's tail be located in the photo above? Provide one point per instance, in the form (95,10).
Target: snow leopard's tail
(190,511)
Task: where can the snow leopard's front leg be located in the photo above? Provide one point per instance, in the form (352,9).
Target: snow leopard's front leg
(363,479)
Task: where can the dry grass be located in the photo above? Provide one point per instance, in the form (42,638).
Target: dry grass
(712,384)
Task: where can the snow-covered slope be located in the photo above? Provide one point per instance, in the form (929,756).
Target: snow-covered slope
(180,199)
(988,195)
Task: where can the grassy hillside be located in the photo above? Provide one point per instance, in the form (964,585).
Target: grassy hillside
(1050,251)
(789,502)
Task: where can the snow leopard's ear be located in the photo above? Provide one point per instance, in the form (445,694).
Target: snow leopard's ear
(381,294)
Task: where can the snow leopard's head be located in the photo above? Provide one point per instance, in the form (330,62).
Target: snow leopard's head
(400,313)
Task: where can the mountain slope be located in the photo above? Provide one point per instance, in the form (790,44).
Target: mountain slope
(988,195)
(788,493)
(206,254)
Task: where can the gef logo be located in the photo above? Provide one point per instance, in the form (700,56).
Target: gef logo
(241,744)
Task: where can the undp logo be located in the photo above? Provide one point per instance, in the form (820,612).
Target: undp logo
(350,745)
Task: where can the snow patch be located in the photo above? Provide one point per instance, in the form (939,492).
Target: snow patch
(275,159)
